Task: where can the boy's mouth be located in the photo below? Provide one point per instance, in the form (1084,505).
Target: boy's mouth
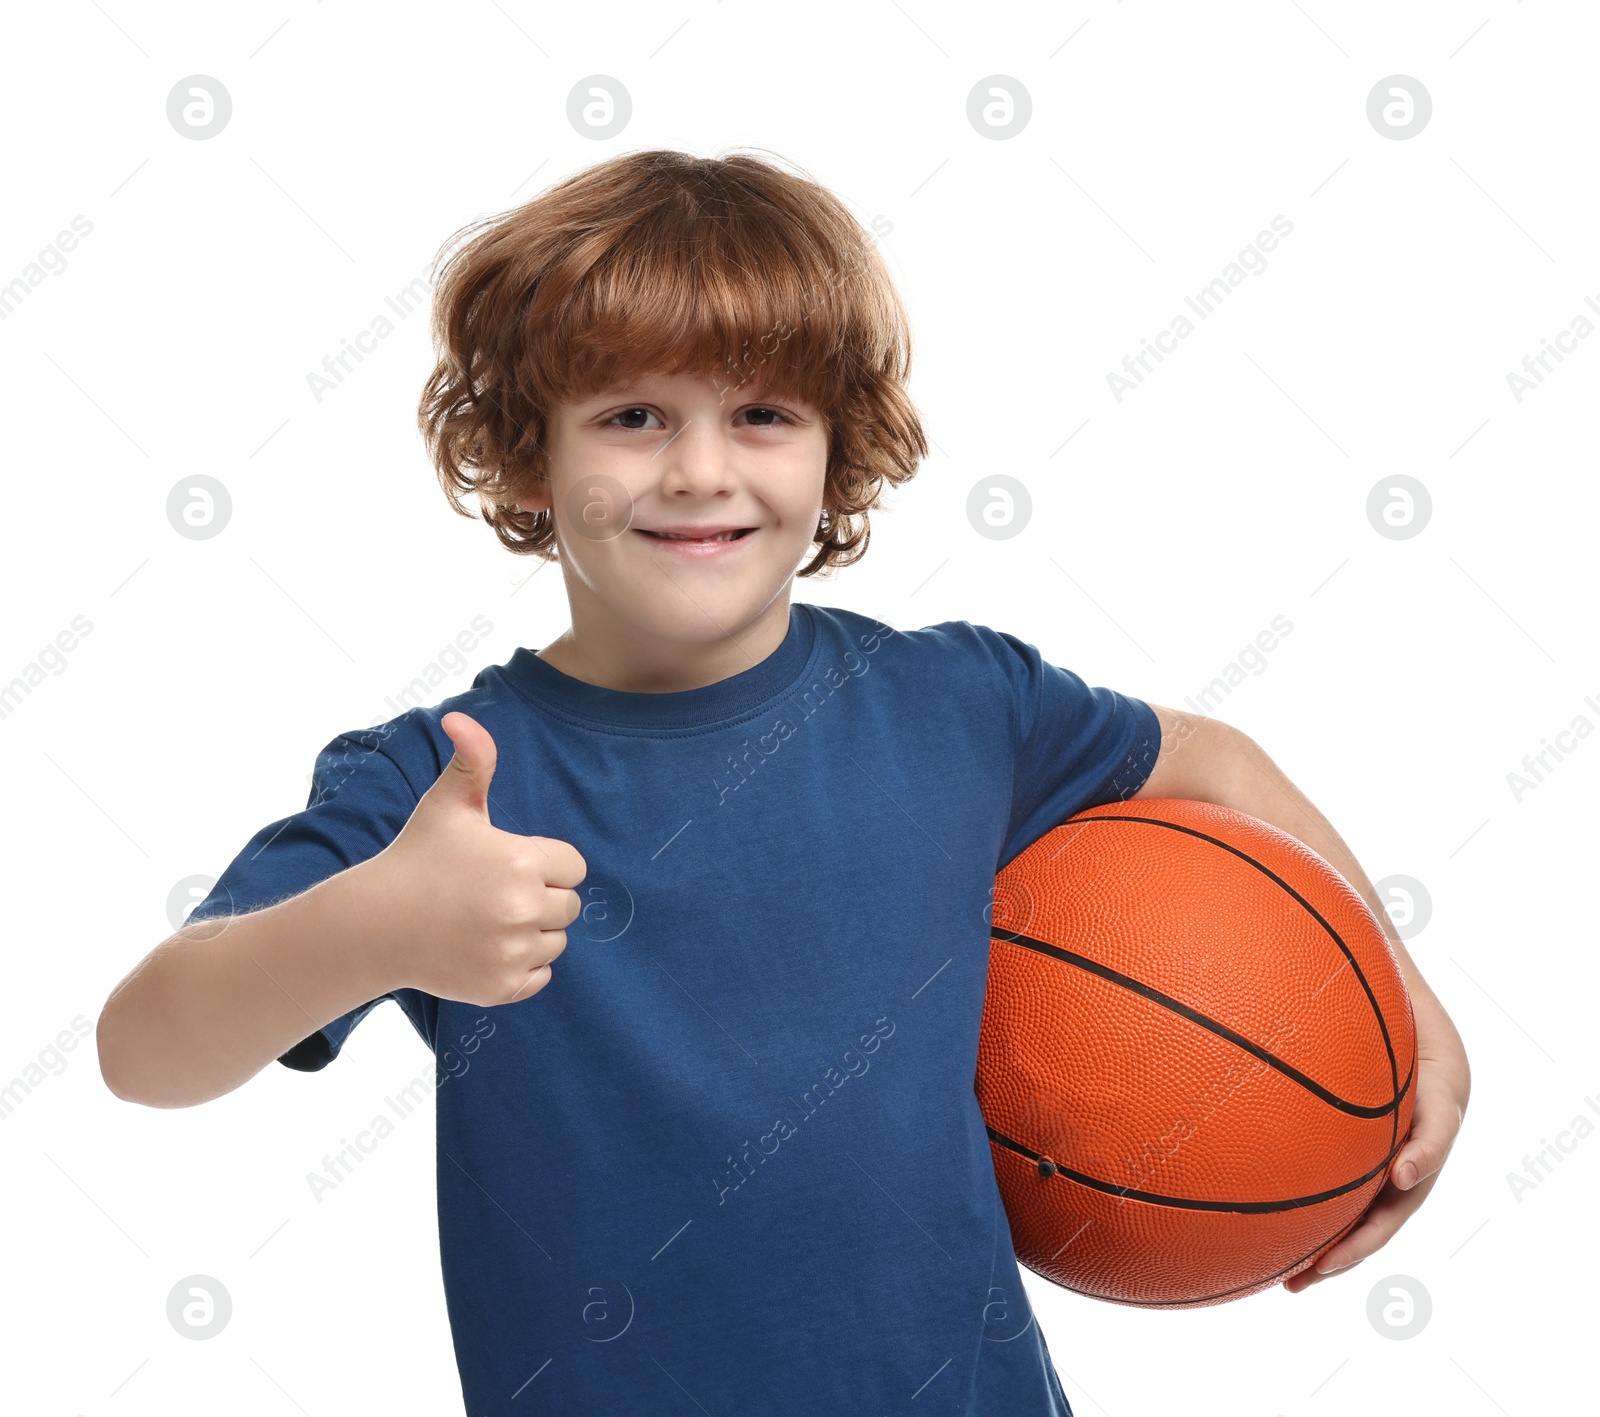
(700,537)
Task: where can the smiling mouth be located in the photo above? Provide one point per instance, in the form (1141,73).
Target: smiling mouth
(723,536)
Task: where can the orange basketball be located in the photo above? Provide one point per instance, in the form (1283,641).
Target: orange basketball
(1197,1056)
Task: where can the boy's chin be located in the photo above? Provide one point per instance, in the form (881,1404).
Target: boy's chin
(702,615)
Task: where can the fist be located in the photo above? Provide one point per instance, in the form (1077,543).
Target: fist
(478,913)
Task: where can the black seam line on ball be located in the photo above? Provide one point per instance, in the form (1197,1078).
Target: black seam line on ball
(1372,999)
(1405,1087)
(1194,1016)
(1338,1234)
(1184,1202)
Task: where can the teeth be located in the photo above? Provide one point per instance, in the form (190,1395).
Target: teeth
(675,536)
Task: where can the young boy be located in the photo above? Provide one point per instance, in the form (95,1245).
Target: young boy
(727,1158)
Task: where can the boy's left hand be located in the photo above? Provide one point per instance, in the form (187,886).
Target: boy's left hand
(1443,1083)
(1207,760)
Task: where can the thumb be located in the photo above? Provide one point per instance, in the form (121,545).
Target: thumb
(466,776)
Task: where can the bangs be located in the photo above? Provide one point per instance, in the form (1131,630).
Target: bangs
(713,290)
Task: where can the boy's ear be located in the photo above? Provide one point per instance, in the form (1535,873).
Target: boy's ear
(536,499)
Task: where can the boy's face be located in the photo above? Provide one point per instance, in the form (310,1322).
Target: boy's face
(677,453)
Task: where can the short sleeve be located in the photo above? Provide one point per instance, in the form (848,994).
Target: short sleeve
(1076,746)
(360,799)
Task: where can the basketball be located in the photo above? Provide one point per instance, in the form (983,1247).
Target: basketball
(1197,1058)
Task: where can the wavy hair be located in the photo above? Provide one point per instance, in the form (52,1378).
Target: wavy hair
(659,262)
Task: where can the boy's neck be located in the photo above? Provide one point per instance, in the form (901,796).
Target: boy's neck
(631,661)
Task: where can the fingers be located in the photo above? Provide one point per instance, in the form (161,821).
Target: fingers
(1433,1132)
(1434,1125)
(1384,1217)
(559,861)
(536,980)
(574,904)
(547,909)
(467,775)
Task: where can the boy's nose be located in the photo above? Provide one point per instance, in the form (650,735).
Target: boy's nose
(698,461)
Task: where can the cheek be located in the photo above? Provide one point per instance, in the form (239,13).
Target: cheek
(801,488)
(594,506)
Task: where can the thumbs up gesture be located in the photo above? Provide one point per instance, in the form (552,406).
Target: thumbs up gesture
(476,913)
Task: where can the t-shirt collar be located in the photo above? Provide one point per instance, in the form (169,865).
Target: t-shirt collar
(729,698)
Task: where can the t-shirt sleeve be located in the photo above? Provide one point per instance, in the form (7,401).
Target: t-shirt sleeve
(1075,746)
(360,799)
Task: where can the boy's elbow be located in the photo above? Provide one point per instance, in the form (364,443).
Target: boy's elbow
(118,1069)
(113,1068)
(146,1075)
(121,1092)
(127,1090)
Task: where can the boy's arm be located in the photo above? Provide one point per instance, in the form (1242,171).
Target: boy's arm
(1205,760)
(213,1004)
(452,906)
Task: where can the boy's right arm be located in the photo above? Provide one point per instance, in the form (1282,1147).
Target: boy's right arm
(213,1004)
(452,906)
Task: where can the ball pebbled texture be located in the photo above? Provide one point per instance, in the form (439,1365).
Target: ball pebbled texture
(1197,1057)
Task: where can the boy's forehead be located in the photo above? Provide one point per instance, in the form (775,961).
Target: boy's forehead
(724,385)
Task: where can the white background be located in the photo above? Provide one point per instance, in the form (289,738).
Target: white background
(1231,487)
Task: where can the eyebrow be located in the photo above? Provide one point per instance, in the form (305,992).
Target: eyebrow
(749,392)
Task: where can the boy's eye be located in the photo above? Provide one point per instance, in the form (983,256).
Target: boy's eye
(628,413)
(763,417)
(763,410)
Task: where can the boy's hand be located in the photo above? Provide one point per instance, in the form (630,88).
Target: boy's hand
(472,913)
(1223,765)
(1443,1083)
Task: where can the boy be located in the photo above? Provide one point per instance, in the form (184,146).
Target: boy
(728,1157)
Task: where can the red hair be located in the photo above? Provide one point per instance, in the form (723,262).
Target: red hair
(661,262)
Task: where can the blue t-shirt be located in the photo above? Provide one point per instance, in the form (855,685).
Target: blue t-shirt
(730,1159)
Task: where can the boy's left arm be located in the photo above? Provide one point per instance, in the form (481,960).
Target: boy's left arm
(1205,760)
